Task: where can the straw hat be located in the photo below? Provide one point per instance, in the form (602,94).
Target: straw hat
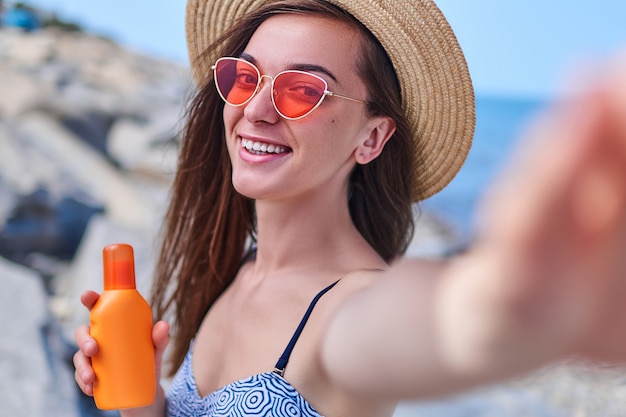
(437,92)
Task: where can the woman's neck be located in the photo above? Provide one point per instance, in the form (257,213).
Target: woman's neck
(309,233)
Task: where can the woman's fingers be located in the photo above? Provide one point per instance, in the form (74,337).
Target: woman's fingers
(87,347)
(86,344)
(160,338)
(89,298)
(83,373)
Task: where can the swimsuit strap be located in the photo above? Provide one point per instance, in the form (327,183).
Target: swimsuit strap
(250,255)
(279,368)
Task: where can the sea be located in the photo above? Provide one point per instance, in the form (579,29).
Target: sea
(500,123)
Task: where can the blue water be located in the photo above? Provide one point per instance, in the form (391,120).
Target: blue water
(499,124)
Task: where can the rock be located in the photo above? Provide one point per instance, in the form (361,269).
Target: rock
(433,237)
(28,50)
(34,378)
(116,75)
(145,145)
(85,167)
(10,181)
(569,388)
(63,196)
(40,224)
(82,71)
(92,126)
(22,165)
(8,200)
(74,50)
(19,93)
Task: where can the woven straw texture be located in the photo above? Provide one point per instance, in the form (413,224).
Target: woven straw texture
(437,92)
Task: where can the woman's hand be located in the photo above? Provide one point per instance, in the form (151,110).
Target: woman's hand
(87,347)
(557,225)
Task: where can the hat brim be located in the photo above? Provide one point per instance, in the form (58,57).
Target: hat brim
(436,88)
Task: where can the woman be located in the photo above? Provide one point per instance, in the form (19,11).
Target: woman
(316,126)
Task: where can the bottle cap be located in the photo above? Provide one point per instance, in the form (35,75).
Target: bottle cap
(119,267)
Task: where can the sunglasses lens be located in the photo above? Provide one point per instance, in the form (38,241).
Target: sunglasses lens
(236,80)
(297,93)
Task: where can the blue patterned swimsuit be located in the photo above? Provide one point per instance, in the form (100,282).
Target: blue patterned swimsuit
(267,394)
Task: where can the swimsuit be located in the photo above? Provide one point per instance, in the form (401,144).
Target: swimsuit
(267,394)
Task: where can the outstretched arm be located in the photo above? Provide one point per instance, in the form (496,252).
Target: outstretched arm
(545,279)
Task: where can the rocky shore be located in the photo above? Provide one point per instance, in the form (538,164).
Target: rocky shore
(88,143)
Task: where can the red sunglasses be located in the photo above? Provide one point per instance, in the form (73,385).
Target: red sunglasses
(295,94)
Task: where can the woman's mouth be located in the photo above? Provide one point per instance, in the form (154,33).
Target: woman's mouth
(262,148)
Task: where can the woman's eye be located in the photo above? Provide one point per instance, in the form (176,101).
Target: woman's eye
(246,79)
(306,92)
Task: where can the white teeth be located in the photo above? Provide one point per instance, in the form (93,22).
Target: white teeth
(260,147)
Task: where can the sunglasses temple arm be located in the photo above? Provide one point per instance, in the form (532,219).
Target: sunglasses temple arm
(331,94)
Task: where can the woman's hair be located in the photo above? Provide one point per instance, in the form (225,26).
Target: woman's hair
(208,224)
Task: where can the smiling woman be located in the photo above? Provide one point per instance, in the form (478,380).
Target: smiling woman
(316,126)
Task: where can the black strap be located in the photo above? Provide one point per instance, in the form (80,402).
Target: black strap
(284,358)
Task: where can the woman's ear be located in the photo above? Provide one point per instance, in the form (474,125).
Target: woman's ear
(377,132)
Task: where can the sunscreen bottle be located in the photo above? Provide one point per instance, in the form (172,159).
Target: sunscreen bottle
(121,323)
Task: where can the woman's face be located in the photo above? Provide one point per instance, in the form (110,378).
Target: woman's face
(316,153)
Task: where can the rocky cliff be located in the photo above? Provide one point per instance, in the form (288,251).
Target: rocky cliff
(88,142)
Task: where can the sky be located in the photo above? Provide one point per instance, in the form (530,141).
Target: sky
(520,48)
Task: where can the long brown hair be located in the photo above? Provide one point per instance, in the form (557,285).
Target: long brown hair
(208,224)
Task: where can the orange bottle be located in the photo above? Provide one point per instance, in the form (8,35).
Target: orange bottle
(121,323)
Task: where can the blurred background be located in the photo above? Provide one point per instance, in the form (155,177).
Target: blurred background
(91,100)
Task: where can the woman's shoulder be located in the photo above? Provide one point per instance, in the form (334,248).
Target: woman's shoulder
(359,279)
(347,285)
(311,377)
(365,277)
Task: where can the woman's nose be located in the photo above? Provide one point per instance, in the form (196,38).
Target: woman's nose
(261,106)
